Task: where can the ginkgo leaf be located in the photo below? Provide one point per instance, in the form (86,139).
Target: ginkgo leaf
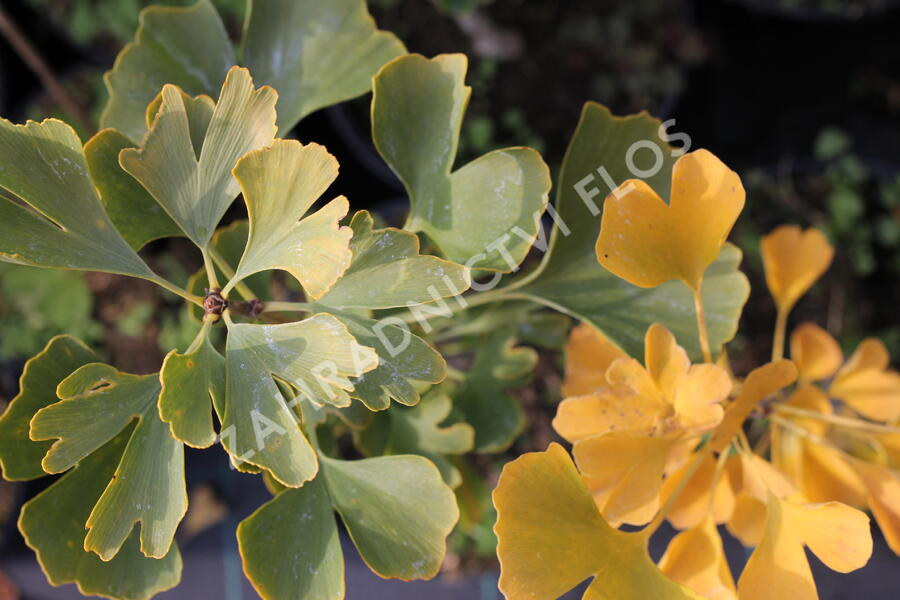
(318,356)
(648,242)
(794,259)
(417,111)
(52,524)
(190,383)
(816,354)
(867,384)
(588,355)
(552,537)
(396,509)
(499,364)
(778,569)
(418,430)
(280,183)
(696,559)
(184,46)
(404,361)
(132,210)
(693,504)
(388,272)
(197,189)
(580,417)
(148,486)
(315,53)
(884,499)
(43,164)
(570,279)
(20,456)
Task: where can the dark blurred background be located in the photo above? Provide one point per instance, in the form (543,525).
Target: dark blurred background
(801,97)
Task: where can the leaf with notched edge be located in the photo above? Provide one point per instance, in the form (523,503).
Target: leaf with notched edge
(148,486)
(20,456)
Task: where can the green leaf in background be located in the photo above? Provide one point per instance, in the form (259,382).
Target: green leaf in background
(315,53)
(388,272)
(487,212)
(417,430)
(290,546)
(318,356)
(197,189)
(397,511)
(280,184)
(193,384)
(483,402)
(187,47)
(570,280)
(43,164)
(20,456)
(98,402)
(132,210)
(53,525)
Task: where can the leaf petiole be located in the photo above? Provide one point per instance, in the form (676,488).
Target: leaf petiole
(702,330)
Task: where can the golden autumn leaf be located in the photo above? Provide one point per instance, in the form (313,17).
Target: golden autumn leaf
(867,385)
(794,260)
(648,242)
(693,504)
(816,354)
(883,486)
(551,537)
(696,559)
(588,354)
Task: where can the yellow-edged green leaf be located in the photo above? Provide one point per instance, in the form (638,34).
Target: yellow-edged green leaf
(486,213)
(53,525)
(20,456)
(315,53)
(552,537)
(132,210)
(280,183)
(191,382)
(418,430)
(43,165)
(483,400)
(148,486)
(570,279)
(197,189)
(318,356)
(290,546)
(387,271)
(184,46)
(397,510)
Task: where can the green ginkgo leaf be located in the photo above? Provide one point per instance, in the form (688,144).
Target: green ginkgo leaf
(193,384)
(388,272)
(62,223)
(184,46)
(318,356)
(20,456)
(132,210)
(315,53)
(280,184)
(483,400)
(485,214)
(397,511)
(53,525)
(196,189)
(98,402)
(418,430)
(570,280)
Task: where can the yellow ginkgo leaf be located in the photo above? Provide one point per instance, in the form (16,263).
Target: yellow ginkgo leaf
(778,569)
(827,476)
(603,411)
(756,479)
(551,538)
(696,559)
(883,486)
(692,505)
(648,242)
(793,260)
(625,470)
(816,354)
(867,385)
(588,354)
